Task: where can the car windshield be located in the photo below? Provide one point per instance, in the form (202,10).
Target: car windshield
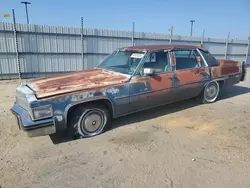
(122,61)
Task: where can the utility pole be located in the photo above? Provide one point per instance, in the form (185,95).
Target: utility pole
(82,39)
(171,34)
(226,47)
(248,46)
(192,23)
(26,9)
(203,37)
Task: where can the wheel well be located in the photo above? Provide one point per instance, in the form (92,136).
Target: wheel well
(221,83)
(104,102)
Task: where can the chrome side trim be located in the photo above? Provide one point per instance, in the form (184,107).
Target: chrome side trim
(226,77)
(177,86)
(140,110)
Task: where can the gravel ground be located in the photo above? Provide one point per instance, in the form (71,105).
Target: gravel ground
(179,145)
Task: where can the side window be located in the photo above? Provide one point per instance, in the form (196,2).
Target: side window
(211,61)
(188,59)
(159,61)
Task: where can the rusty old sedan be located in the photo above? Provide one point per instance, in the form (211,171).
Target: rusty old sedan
(130,79)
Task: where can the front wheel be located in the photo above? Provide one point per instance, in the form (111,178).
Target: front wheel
(210,92)
(89,120)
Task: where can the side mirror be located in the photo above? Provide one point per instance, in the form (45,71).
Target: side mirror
(148,71)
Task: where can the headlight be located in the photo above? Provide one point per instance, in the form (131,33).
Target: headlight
(42,112)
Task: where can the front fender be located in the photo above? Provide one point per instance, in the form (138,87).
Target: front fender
(99,98)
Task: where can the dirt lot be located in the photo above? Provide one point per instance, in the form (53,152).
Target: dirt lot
(180,145)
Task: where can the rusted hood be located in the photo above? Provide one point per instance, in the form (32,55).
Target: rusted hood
(92,79)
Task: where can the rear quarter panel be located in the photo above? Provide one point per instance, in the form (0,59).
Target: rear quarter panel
(226,68)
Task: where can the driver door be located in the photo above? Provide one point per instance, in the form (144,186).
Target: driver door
(147,91)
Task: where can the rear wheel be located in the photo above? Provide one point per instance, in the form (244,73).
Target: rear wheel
(210,92)
(89,120)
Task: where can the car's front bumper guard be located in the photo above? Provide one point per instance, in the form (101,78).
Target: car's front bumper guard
(33,128)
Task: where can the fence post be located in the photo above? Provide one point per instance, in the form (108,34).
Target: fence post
(248,44)
(203,36)
(82,42)
(171,35)
(133,34)
(16,45)
(227,45)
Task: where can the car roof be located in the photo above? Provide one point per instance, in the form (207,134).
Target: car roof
(160,47)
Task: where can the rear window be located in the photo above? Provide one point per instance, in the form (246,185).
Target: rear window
(183,53)
(211,61)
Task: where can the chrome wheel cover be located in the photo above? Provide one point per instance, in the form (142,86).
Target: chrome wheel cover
(211,91)
(92,122)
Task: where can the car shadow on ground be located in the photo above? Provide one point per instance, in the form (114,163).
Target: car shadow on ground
(233,91)
(158,111)
(175,107)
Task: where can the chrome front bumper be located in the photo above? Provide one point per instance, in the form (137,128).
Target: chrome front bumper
(33,128)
